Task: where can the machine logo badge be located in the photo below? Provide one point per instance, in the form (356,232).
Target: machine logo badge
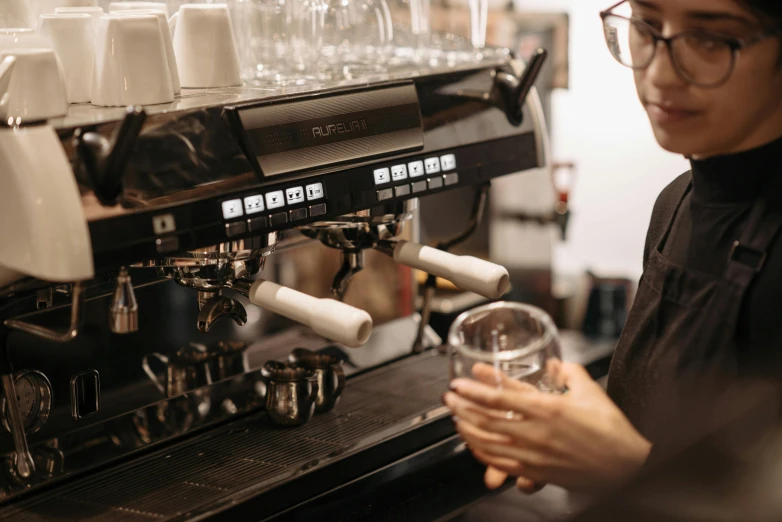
(339,128)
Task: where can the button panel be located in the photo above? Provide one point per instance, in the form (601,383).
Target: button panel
(256,224)
(415,168)
(278,219)
(275,199)
(314,191)
(384,194)
(432,165)
(236,228)
(317,210)
(403,190)
(399,172)
(232,208)
(419,186)
(253,204)
(382,176)
(298,214)
(294,195)
(448,162)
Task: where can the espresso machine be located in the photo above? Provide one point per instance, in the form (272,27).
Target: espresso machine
(207,307)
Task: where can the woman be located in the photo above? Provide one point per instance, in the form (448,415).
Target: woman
(709,74)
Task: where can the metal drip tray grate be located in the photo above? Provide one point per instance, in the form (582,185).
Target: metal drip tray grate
(248,453)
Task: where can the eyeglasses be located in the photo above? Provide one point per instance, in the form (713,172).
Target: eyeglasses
(700,59)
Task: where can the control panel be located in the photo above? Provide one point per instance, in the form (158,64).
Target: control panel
(279,206)
(296,201)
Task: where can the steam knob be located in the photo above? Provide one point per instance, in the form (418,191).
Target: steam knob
(513,92)
(468,273)
(103,160)
(123,310)
(332,319)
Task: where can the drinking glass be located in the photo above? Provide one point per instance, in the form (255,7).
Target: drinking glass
(516,339)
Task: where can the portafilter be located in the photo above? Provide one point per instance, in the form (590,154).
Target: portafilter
(379,228)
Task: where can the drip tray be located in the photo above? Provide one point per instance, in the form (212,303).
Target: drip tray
(248,455)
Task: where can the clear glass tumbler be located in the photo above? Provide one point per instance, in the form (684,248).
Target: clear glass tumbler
(516,339)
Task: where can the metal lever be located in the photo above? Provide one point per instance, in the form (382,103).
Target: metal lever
(513,92)
(23,460)
(104,160)
(218,307)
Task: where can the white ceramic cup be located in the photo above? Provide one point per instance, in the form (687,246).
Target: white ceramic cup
(73,39)
(126,6)
(205,46)
(130,63)
(22,38)
(165,33)
(36,88)
(94,12)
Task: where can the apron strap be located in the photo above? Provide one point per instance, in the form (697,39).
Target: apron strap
(669,225)
(748,254)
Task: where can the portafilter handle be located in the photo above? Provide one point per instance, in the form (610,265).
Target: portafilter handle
(468,273)
(329,318)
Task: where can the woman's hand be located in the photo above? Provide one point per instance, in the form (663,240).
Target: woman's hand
(579,440)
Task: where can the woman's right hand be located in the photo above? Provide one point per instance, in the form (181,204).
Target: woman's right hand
(495,478)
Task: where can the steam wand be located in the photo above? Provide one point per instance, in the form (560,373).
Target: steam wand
(476,218)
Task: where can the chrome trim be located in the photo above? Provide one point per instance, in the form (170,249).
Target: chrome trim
(77,300)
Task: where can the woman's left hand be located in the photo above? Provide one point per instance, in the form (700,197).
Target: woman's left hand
(579,440)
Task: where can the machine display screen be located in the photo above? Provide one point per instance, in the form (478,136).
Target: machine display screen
(321,131)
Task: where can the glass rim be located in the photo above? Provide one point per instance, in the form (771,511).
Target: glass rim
(504,355)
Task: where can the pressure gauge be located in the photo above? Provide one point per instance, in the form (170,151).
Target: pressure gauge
(34,396)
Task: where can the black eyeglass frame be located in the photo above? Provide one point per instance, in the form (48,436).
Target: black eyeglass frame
(736,45)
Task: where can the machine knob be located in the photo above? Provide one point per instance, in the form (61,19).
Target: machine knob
(468,273)
(103,160)
(513,92)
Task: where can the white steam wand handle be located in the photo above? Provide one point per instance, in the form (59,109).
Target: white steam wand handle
(329,318)
(468,273)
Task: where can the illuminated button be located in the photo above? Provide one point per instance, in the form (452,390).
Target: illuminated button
(163,224)
(256,224)
(294,195)
(451,179)
(167,244)
(314,191)
(399,172)
(404,190)
(419,186)
(382,176)
(385,194)
(275,199)
(415,168)
(448,162)
(435,183)
(432,165)
(236,228)
(253,204)
(298,214)
(232,208)
(317,210)
(278,219)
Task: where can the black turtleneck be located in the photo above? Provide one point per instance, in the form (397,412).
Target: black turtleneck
(712,216)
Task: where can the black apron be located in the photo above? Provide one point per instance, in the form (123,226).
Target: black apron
(679,345)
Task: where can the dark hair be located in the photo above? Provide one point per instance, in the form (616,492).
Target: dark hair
(769,11)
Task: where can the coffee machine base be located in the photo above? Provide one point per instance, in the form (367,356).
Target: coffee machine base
(386,447)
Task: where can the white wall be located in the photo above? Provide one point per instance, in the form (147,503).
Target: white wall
(600,125)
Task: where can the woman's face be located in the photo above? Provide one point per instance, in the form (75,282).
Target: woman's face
(741,114)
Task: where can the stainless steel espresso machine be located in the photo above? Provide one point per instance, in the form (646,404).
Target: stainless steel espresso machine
(206,307)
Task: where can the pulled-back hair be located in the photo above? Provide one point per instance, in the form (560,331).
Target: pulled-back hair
(769,11)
